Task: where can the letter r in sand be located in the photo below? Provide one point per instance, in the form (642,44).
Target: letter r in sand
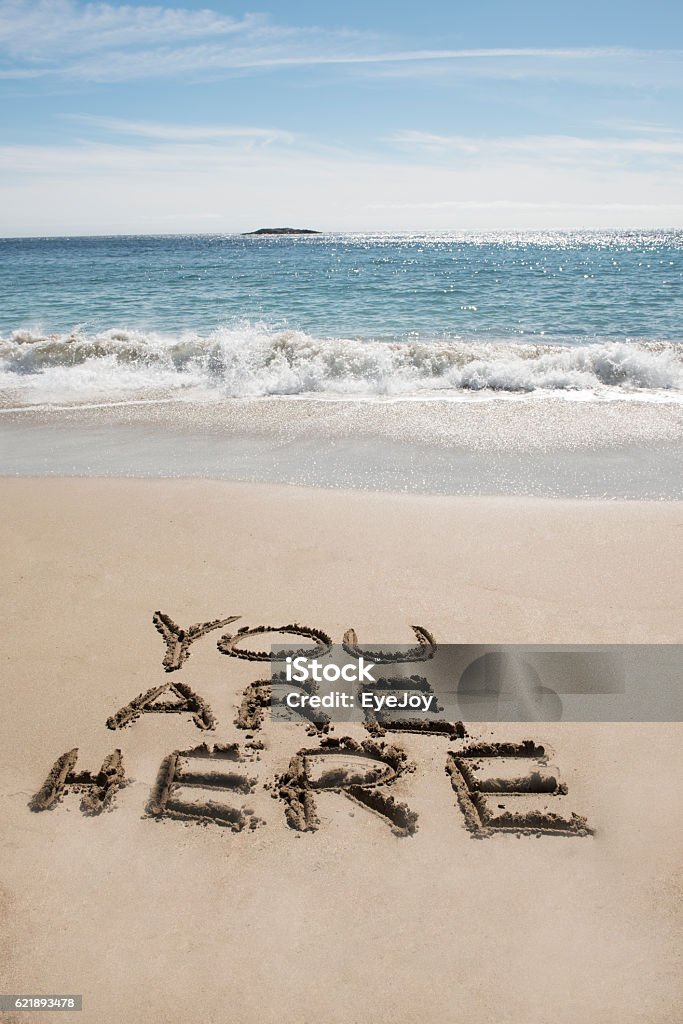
(360,771)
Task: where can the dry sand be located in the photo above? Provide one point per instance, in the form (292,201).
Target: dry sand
(176,922)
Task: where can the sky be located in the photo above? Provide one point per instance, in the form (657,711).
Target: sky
(355,116)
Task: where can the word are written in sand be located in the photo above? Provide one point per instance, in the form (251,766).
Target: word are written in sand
(499,787)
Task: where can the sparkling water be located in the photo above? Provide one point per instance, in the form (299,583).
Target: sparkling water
(582,314)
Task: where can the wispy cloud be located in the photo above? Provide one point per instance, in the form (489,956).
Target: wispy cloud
(110,42)
(528,206)
(42,29)
(638,128)
(311,49)
(158,131)
(548,148)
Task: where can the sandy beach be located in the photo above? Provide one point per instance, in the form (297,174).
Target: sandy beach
(175,921)
(341,471)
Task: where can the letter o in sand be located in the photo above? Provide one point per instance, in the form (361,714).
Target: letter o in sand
(228,643)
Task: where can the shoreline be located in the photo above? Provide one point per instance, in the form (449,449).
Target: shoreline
(466,499)
(543,448)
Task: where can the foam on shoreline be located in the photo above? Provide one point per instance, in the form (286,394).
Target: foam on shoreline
(248,360)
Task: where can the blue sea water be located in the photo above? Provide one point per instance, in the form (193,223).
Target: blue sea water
(99,319)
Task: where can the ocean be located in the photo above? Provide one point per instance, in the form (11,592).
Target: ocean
(580,315)
(516,364)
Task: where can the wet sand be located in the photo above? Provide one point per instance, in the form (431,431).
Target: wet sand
(546,447)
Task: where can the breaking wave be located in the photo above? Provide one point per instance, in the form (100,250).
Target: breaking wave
(252,360)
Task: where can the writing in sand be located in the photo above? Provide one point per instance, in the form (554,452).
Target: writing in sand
(497,786)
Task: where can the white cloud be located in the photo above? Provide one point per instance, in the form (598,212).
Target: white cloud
(182,132)
(547,148)
(46,28)
(310,49)
(110,42)
(511,204)
(164,186)
(638,128)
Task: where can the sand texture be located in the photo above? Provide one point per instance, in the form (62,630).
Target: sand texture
(173,855)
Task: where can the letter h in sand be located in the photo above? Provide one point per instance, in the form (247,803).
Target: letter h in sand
(97,789)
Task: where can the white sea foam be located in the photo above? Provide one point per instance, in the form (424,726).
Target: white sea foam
(252,360)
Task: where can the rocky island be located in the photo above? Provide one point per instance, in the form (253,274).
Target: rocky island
(283,231)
